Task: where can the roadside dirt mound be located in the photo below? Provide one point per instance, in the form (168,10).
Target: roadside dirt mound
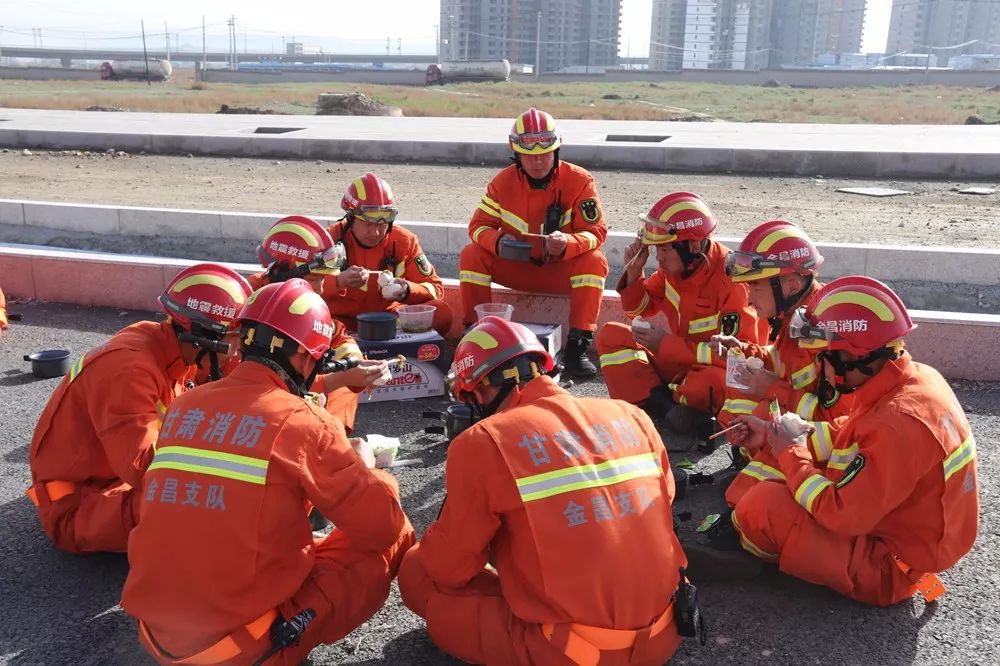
(248,110)
(352,104)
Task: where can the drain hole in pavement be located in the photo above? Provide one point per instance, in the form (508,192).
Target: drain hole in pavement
(640,138)
(277,130)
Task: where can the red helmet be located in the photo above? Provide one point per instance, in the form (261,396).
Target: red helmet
(855,313)
(297,240)
(492,345)
(209,295)
(534,133)
(773,248)
(680,216)
(291,308)
(370,198)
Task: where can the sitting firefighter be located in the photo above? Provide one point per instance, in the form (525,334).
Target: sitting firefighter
(385,266)
(300,247)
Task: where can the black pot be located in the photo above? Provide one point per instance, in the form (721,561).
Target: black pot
(515,250)
(457,418)
(49,363)
(377,325)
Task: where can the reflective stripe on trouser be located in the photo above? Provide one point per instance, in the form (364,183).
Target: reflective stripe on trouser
(763,467)
(553,277)
(858,567)
(475,623)
(632,382)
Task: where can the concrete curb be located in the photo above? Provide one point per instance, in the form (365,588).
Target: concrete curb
(950,341)
(856,151)
(948,265)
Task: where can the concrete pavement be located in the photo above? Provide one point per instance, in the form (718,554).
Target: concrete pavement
(62,609)
(887,151)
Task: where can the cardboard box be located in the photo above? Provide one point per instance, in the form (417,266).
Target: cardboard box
(421,376)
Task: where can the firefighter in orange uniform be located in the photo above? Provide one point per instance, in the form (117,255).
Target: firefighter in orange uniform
(675,374)
(224,558)
(897,501)
(555,544)
(779,263)
(3,313)
(374,243)
(540,195)
(95,437)
(298,246)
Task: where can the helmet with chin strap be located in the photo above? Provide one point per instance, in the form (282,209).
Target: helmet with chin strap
(497,353)
(675,220)
(370,199)
(202,302)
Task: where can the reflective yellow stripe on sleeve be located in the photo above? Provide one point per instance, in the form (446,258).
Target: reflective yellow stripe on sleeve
(807,406)
(213,463)
(75,370)
(671,295)
(429,286)
(488,205)
(569,479)
(400,269)
(841,458)
(960,457)
(513,220)
(703,325)
(776,364)
(762,472)
(591,240)
(703,353)
(739,406)
(586,280)
(803,377)
(810,489)
(479,232)
(472,277)
(161,411)
(624,356)
(822,441)
(347,349)
(565,218)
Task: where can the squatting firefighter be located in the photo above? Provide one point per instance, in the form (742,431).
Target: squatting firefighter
(300,247)
(674,373)
(95,437)
(552,501)
(224,554)
(779,264)
(554,206)
(375,243)
(898,498)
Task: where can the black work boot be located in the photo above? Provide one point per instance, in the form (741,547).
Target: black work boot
(659,403)
(719,555)
(724,477)
(686,420)
(576,363)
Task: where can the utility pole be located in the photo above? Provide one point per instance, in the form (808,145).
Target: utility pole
(465,52)
(145,54)
(166,33)
(437,42)
(930,46)
(244,42)
(388,43)
(538,47)
(204,51)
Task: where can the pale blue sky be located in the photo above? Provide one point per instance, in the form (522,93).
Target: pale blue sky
(335,24)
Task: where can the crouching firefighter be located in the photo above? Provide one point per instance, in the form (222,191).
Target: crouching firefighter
(552,499)
(224,566)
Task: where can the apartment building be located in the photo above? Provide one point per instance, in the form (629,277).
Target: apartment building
(710,34)
(573,35)
(804,30)
(916,25)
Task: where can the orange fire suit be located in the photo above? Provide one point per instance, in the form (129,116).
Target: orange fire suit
(342,402)
(399,252)
(512,207)
(796,390)
(3,313)
(704,304)
(898,494)
(569,499)
(94,439)
(224,543)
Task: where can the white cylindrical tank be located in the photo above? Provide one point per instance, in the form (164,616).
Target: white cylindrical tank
(475,70)
(159,70)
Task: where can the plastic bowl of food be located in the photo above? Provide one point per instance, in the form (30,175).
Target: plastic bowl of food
(416,318)
(502,310)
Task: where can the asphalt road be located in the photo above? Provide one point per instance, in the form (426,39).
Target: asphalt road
(62,609)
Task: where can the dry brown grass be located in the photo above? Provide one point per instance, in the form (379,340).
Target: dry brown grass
(635,101)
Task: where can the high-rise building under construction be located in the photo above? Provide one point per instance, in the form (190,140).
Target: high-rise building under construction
(946,25)
(565,33)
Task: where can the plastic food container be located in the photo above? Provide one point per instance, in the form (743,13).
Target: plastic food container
(416,318)
(515,250)
(502,310)
(377,325)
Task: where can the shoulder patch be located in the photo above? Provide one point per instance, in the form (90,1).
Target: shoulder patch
(591,211)
(852,470)
(729,323)
(829,397)
(423,264)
